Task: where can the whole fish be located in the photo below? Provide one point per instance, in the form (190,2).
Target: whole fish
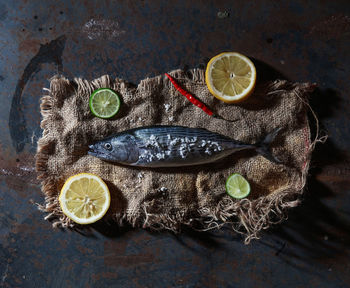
(172,146)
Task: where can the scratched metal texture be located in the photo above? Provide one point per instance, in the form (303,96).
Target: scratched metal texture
(298,40)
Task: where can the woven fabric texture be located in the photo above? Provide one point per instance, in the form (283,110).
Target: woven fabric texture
(173,197)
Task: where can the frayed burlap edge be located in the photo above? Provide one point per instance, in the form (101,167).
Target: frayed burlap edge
(246,217)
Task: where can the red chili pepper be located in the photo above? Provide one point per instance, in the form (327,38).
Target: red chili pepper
(190,97)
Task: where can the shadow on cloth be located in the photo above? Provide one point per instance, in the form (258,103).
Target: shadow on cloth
(314,230)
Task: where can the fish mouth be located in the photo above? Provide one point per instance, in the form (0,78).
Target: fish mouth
(93,152)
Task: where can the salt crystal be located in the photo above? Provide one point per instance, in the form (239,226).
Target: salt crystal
(27,168)
(171,118)
(216,146)
(183,151)
(160,156)
(167,107)
(183,154)
(174,142)
(140,176)
(207,151)
(163,189)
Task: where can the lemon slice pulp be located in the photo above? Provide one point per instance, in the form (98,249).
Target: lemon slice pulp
(230,77)
(237,186)
(84,198)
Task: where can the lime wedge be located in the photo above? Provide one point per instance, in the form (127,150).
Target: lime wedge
(104,103)
(237,187)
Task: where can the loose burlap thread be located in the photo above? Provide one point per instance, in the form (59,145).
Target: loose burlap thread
(172,197)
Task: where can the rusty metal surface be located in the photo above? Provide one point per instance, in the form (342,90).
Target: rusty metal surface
(301,40)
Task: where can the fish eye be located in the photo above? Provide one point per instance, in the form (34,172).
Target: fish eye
(108,146)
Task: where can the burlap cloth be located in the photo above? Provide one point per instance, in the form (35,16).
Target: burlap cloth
(170,198)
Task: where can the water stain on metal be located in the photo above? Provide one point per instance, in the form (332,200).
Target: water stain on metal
(19,172)
(48,53)
(102,29)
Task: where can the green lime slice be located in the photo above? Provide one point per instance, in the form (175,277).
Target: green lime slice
(237,186)
(104,103)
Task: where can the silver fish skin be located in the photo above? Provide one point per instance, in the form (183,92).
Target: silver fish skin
(173,146)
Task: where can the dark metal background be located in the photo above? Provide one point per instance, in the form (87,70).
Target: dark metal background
(301,40)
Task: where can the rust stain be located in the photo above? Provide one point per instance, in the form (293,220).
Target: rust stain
(19,178)
(19,185)
(104,275)
(115,255)
(129,260)
(19,169)
(38,263)
(29,46)
(335,173)
(333,178)
(63,243)
(111,248)
(84,250)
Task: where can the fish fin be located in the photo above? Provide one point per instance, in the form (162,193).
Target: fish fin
(263,147)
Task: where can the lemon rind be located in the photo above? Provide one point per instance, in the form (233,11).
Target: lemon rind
(70,215)
(230,99)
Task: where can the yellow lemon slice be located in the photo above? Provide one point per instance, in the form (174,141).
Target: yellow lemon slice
(230,77)
(84,198)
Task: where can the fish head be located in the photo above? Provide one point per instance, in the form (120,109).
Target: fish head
(120,149)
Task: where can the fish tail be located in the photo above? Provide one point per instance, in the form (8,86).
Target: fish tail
(263,147)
